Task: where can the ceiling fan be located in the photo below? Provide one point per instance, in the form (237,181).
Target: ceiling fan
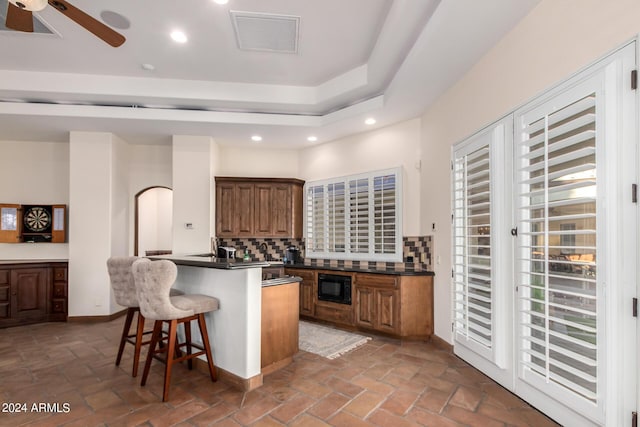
(20,18)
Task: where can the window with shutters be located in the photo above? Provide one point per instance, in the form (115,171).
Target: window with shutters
(356,217)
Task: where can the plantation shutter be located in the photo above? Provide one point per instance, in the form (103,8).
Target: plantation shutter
(384,216)
(558,267)
(336,222)
(480,289)
(359,215)
(472,231)
(315,218)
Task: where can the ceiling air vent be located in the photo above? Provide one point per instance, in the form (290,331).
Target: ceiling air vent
(266,32)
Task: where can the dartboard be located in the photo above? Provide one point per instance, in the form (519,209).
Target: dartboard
(37,219)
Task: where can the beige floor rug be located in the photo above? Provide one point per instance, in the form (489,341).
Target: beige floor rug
(326,341)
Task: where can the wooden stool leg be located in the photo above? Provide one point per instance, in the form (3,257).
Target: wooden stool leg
(125,333)
(207,347)
(173,326)
(138,346)
(187,335)
(155,336)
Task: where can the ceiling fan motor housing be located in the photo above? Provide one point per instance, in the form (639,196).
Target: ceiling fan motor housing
(30,5)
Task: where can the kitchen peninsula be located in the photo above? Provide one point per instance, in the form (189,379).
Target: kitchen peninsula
(235,330)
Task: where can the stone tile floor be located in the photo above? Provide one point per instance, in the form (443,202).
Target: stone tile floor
(383,383)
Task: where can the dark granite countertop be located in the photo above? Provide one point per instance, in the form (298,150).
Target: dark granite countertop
(363,270)
(207,261)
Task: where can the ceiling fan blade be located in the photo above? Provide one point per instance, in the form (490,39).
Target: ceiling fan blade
(19,19)
(89,23)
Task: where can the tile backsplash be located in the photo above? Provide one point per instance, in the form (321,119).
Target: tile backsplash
(261,249)
(416,253)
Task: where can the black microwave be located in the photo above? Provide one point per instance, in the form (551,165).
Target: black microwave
(334,288)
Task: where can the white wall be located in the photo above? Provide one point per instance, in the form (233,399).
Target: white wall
(34,173)
(90,226)
(193,171)
(258,162)
(391,146)
(554,41)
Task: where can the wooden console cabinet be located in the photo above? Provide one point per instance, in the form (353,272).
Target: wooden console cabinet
(259,207)
(33,293)
(279,327)
(397,305)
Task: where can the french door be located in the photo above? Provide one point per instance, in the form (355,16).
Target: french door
(481,293)
(570,270)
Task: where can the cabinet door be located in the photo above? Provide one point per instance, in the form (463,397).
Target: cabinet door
(306,298)
(281,211)
(365,307)
(225,209)
(29,293)
(264,205)
(244,209)
(387,311)
(5,295)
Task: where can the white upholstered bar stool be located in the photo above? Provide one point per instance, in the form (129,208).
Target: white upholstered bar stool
(153,280)
(124,291)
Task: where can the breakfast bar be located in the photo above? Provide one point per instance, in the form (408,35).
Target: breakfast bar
(235,329)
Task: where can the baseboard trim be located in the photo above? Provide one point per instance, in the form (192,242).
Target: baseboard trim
(96,319)
(242,384)
(266,370)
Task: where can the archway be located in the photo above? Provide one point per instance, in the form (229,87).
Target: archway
(153,221)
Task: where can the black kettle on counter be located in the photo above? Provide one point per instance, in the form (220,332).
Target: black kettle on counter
(292,255)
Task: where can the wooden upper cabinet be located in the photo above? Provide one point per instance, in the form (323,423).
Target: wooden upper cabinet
(264,213)
(225,209)
(281,210)
(10,223)
(33,223)
(258,207)
(244,210)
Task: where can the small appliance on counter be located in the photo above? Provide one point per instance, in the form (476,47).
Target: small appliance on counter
(292,255)
(227,252)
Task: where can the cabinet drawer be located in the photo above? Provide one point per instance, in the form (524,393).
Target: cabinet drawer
(59,273)
(307,275)
(4,277)
(377,280)
(60,290)
(59,305)
(334,314)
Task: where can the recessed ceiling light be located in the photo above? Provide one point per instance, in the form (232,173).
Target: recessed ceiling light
(179,36)
(256,138)
(221,1)
(370,121)
(312,138)
(148,67)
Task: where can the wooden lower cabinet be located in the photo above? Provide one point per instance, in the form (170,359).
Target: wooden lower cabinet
(279,326)
(378,302)
(32,293)
(308,291)
(387,311)
(397,305)
(29,293)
